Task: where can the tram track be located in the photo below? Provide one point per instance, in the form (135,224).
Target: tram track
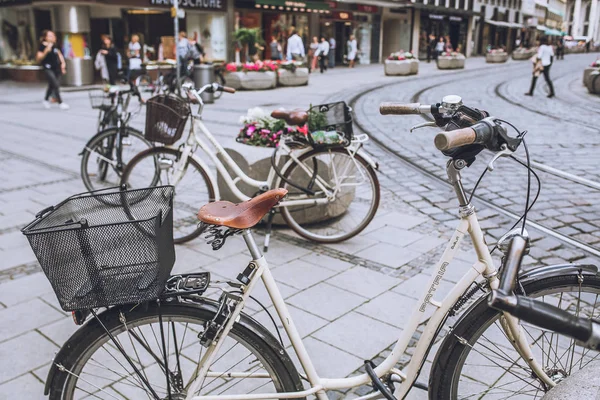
(588,248)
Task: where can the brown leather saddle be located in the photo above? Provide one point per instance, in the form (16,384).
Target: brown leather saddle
(292,117)
(240,215)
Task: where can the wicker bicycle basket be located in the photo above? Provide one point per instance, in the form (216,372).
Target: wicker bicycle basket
(107,247)
(325,119)
(166,116)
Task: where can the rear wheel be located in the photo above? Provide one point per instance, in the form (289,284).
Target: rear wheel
(353,190)
(159,339)
(101,166)
(157,166)
(477,361)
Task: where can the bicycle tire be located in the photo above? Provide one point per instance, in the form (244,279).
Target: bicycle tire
(97,142)
(450,359)
(77,357)
(142,171)
(332,213)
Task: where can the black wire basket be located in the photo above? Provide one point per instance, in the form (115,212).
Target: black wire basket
(166,116)
(107,247)
(100,100)
(330,125)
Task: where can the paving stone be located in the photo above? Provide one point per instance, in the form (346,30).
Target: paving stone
(354,333)
(301,275)
(329,361)
(24,317)
(25,288)
(24,387)
(326,301)
(418,284)
(327,262)
(15,350)
(363,281)
(390,255)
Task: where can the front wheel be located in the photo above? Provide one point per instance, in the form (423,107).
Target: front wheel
(155,340)
(477,361)
(106,155)
(158,166)
(344,199)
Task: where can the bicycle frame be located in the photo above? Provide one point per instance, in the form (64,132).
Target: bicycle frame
(272,180)
(484,266)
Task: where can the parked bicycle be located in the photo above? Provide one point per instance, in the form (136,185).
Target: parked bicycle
(334,190)
(105,155)
(136,343)
(165,83)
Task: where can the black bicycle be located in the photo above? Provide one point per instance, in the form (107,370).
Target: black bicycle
(105,155)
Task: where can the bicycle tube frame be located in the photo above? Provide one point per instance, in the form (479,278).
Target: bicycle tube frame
(240,175)
(484,266)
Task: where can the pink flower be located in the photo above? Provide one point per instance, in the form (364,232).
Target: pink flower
(231,67)
(251,130)
(303,129)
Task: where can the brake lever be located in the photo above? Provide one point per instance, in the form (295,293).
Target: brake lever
(504,152)
(423,125)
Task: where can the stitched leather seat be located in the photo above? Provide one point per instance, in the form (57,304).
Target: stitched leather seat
(241,215)
(293,117)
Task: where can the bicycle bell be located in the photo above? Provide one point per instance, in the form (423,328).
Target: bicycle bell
(451,103)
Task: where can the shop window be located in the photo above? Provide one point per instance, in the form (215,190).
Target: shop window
(517,15)
(461,4)
(471,5)
(452,3)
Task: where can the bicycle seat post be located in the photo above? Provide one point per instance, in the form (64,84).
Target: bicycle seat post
(251,243)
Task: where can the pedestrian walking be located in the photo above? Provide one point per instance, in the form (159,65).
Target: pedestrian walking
(183,52)
(134,53)
(111,55)
(542,63)
(276,51)
(352,50)
(295,47)
(431,53)
(312,53)
(322,53)
(440,46)
(52,61)
(331,57)
(560,49)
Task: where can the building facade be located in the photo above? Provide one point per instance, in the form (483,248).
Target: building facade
(582,19)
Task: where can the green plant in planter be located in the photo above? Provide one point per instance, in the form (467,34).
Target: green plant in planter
(249,39)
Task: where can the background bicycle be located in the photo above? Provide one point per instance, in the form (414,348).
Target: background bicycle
(105,155)
(334,190)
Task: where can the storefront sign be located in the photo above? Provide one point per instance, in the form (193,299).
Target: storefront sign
(292,5)
(457,19)
(436,16)
(366,8)
(220,5)
(8,3)
(343,15)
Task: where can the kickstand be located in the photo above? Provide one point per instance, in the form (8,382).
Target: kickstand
(269,229)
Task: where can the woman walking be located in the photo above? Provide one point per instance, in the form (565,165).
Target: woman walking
(112,58)
(545,56)
(312,53)
(53,62)
(134,54)
(352,50)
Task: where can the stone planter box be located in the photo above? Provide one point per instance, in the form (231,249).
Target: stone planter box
(251,80)
(496,57)
(523,55)
(401,67)
(593,85)
(449,62)
(575,49)
(23,73)
(288,78)
(587,72)
(256,162)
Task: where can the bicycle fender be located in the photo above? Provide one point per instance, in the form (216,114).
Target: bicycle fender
(550,271)
(374,164)
(103,131)
(199,303)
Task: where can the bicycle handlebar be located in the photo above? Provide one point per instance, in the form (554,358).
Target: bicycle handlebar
(547,316)
(404,108)
(451,139)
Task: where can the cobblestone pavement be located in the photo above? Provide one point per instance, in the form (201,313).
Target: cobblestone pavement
(339,294)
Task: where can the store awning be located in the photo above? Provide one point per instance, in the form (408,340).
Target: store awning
(294,5)
(554,32)
(504,24)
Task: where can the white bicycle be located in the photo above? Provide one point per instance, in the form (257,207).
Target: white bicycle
(185,346)
(333,189)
